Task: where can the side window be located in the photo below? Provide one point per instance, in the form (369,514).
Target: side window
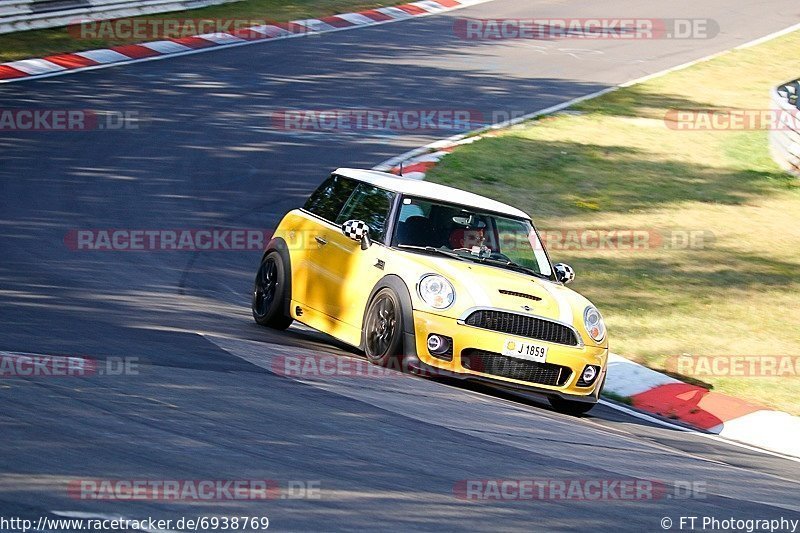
(329,198)
(411,208)
(371,205)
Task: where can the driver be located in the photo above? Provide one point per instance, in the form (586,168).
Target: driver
(465,238)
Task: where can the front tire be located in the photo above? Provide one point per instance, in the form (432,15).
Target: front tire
(570,407)
(383,329)
(269,291)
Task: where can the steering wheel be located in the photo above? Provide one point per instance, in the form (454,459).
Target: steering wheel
(501,256)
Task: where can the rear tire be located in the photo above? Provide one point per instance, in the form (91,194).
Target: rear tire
(269,291)
(383,329)
(570,407)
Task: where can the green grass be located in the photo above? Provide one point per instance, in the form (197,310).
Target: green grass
(38,43)
(616,165)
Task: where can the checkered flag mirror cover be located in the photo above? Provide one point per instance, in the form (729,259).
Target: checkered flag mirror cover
(355,229)
(564,273)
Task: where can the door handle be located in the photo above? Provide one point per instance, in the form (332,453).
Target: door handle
(320,241)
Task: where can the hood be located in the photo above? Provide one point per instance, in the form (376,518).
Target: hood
(481,285)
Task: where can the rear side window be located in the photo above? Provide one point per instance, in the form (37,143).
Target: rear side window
(329,198)
(371,205)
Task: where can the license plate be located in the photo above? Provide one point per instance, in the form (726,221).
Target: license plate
(525,350)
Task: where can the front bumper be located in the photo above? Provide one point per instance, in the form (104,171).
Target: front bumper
(467,339)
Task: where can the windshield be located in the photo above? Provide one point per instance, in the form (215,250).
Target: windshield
(471,234)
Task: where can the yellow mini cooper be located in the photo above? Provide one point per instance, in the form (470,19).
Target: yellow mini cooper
(436,280)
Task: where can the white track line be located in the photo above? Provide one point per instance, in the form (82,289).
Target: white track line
(643,416)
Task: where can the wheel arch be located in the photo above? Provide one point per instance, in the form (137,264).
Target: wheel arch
(396,283)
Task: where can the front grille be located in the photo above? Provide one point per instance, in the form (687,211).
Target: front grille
(523,326)
(497,364)
(521,295)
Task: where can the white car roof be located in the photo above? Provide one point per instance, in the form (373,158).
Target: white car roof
(431,191)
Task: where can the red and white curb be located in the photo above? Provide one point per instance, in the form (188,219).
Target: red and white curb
(60,64)
(416,166)
(717,413)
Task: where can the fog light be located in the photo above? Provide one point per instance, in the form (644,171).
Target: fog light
(589,375)
(440,346)
(436,344)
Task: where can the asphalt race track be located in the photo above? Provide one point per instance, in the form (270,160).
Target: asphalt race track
(386,452)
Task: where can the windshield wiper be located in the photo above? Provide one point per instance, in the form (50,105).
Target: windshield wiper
(431,249)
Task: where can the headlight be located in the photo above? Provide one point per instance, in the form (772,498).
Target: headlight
(594,323)
(436,291)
